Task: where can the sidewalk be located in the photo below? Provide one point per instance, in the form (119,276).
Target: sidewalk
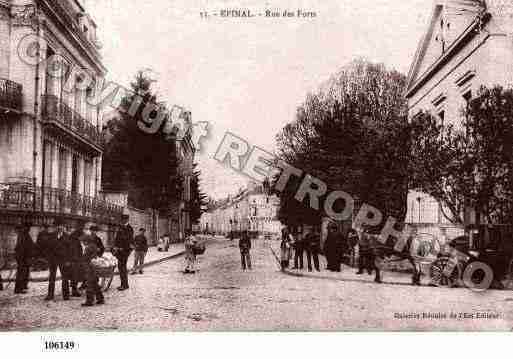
(347,273)
(153,257)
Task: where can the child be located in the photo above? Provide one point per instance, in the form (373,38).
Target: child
(92,289)
(245,247)
(190,256)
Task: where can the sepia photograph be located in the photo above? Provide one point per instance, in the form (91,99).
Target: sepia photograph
(213,166)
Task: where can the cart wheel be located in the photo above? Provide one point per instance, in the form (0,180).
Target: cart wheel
(11,276)
(439,278)
(108,282)
(102,283)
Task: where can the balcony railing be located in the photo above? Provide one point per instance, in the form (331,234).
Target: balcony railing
(58,202)
(10,95)
(54,109)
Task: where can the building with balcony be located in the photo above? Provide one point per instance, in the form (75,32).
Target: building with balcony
(467,44)
(50,133)
(179,212)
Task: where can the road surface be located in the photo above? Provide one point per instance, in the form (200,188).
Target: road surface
(222,297)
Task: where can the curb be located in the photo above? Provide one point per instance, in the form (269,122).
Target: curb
(148,264)
(306,275)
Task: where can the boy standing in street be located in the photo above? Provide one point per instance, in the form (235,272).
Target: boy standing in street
(93,290)
(245,247)
(141,248)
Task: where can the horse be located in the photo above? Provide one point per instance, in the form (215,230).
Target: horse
(381,251)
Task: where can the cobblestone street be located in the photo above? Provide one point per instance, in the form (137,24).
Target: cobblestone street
(222,297)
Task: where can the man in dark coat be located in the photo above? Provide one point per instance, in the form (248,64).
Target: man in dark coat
(62,260)
(49,249)
(93,290)
(76,258)
(364,253)
(312,244)
(122,249)
(245,247)
(333,249)
(141,248)
(299,248)
(97,240)
(25,251)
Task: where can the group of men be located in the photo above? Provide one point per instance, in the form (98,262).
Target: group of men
(69,251)
(339,244)
(336,247)
(306,241)
(73,252)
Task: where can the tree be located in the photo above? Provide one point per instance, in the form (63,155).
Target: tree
(353,135)
(199,200)
(145,164)
(469,165)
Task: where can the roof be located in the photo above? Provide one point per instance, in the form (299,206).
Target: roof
(473,9)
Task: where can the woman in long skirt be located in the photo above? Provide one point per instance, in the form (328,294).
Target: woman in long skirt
(286,249)
(190,256)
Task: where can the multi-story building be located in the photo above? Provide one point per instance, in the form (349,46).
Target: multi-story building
(180,217)
(263,211)
(467,44)
(253,209)
(50,134)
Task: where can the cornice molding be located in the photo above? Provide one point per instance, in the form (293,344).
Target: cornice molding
(471,32)
(92,55)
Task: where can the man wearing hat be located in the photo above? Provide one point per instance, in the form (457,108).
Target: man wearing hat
(49,250)
(63,248)
(76,258)
(25,250)
(122,249)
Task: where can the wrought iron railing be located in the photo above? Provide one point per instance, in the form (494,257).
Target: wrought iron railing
(54,109)
(70,16)
(57,201)
(10,95)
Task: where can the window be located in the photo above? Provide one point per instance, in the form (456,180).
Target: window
(89,108)
(63,175)
(74,174)
(51,83)
(47,163)
(441,117)
(467,96)
(88,172)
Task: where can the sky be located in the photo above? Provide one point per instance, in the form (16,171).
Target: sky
(248,76)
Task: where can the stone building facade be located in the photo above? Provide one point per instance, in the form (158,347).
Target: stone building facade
(253,209)
(465,46)
(180,209)
(50,132)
